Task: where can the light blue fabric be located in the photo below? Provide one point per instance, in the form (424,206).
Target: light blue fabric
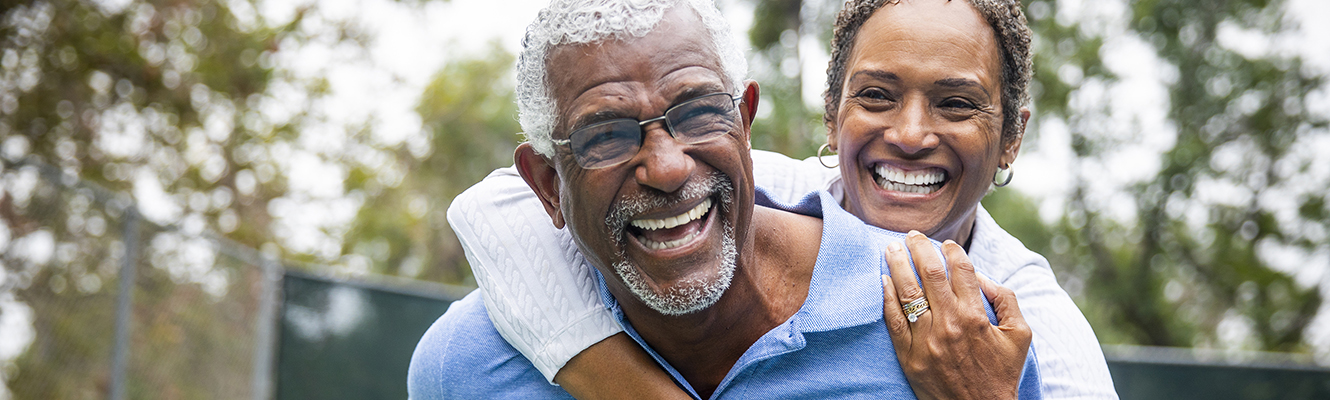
(835,346)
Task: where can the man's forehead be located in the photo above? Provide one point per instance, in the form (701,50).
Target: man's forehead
(678,43)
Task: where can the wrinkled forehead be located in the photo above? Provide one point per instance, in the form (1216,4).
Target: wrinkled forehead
(678,45)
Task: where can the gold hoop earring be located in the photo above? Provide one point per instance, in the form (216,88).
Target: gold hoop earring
(1003,176)
(825,147)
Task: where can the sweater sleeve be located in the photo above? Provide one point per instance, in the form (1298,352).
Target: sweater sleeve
(1071,363)
(539,291)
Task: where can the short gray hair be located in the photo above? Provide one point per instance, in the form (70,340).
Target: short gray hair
(568,22)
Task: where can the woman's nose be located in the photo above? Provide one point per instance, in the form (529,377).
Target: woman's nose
(915,133)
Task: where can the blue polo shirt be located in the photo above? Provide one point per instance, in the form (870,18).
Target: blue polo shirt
(835,346)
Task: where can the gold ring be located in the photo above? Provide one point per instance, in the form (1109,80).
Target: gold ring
(915,308)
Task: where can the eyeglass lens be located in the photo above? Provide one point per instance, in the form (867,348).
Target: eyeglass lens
(695,121)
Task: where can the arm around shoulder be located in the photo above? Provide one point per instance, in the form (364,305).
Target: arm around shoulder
(539,292)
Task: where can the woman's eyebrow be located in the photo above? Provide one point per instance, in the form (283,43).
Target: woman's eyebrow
(875,74)
(962,83)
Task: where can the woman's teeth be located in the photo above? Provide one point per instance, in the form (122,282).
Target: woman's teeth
(666,223)
(922,181)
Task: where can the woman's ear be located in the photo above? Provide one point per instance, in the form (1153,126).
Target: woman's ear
(1013,148)
(832,133)
(543,178)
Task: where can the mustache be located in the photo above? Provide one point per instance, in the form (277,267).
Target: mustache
(625,208)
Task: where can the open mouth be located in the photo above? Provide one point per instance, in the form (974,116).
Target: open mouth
(922,181)
(671,232)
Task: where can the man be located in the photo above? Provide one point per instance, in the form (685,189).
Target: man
(646,163)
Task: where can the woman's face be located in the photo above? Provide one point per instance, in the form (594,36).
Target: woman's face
(920,118)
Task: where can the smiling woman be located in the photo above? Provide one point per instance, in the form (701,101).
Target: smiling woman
(918,122)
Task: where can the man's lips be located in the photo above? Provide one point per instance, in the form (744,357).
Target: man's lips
(673,231)
(922,181)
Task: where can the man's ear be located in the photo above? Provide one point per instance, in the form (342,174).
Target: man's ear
(1012,149)
(748,108)
(540,174)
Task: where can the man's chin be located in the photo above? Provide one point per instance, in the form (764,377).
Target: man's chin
(686,295)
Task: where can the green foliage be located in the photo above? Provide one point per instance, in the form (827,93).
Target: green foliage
(785,123)
(469,113)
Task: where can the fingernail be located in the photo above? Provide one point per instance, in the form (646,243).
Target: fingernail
(894,247)
(949,241)
(913,233)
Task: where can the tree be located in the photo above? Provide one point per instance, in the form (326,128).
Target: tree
(1194,265)
(171,101)
(470,115)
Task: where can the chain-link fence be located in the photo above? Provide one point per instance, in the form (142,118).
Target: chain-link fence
(96,302)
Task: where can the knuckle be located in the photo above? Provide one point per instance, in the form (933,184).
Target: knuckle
(911,292)
(963,264)
(934,272)
(897,325)
(953,332)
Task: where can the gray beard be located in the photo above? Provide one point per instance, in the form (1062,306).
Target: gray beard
(691,295)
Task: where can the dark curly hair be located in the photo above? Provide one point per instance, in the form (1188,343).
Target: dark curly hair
(1004,16)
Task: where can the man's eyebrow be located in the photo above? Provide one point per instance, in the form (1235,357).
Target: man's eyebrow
(694,92)
(598,116)
(875,74)
(962,83)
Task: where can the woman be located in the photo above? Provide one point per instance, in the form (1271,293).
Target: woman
(924,109)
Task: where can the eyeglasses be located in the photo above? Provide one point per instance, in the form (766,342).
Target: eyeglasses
(609,143)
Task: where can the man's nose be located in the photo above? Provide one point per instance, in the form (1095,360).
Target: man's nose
(916,132)
(664,165)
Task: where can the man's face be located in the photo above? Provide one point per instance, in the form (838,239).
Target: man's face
(669,221)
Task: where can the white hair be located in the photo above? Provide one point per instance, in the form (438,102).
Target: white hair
(567,22)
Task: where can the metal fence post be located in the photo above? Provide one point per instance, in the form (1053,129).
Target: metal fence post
(124,304)
(265,330)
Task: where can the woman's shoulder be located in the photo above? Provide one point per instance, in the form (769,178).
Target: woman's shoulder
(999,254)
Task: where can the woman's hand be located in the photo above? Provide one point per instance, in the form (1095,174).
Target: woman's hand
(952,351)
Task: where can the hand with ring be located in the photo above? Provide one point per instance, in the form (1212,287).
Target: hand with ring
(942,336)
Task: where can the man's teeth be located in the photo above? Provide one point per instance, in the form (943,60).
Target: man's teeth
(670,222)
(898,180)
(654,245)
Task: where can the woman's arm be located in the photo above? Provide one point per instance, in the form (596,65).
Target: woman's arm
(617,368)
(952,351)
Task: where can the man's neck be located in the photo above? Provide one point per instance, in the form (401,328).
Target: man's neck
(769,286)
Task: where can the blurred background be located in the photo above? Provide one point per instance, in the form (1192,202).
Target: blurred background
(246,198)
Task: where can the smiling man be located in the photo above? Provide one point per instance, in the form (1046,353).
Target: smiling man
(639,149)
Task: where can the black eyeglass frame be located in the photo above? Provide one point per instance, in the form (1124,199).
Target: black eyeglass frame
(641,133)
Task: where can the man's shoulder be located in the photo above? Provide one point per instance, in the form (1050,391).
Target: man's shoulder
(463,356)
